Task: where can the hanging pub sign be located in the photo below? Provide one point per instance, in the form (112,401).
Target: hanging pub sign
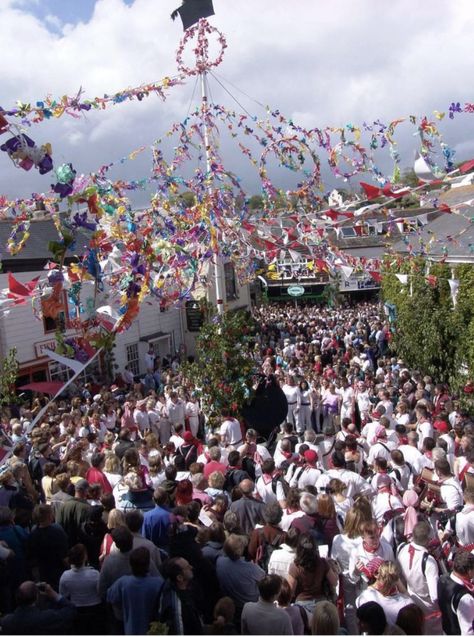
(194,316)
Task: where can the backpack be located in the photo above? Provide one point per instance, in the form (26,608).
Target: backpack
(424,560)
(249,465)
(283,482)
(265,549)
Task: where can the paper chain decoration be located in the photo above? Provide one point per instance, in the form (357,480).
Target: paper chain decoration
(166,250)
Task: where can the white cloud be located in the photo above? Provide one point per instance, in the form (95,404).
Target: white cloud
(321,63)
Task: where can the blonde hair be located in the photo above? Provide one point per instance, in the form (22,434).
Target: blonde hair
(216,480)
(325,620)
(115,518)
(355,519)
(387,577)
(112,463)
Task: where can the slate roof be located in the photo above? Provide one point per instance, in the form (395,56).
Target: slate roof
(36,248)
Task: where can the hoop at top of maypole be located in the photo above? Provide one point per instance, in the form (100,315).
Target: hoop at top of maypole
(201,32)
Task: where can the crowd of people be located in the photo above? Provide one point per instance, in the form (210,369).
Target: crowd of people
(123,512)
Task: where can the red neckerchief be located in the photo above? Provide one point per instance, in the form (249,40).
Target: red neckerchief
(367,548)
(469,584)
(429,455)
(403,440)
(287,454)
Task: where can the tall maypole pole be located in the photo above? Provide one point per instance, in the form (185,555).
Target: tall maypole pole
(193,14)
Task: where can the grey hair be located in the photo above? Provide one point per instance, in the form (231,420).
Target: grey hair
(309,503)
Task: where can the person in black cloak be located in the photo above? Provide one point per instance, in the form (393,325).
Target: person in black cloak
(192,11)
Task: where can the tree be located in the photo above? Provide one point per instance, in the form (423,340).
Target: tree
(409,178)
(432,335)
(256,202)
(223,371)
(8,377)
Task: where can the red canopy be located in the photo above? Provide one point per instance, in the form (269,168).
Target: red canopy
(52,387)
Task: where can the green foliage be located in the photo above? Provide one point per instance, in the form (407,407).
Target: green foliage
(223,370)
(8,375)
(409,178)
(256,202)
(431,335)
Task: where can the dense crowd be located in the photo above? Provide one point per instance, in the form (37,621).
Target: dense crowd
(123,512)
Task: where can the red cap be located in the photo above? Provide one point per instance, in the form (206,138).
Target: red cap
(188,436)
(310,456)
(441,425)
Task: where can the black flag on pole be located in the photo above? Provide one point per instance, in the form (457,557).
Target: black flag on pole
(192,11)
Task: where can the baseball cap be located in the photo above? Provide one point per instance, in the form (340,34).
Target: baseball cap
(310,456)
(441,425)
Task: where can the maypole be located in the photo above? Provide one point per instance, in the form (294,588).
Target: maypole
(218,265)
(193,14)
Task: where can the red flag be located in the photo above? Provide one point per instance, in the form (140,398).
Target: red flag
(388,192)
(20,291)
(332,214)
(465,168)
(372,192)
(376,276)
(431,280)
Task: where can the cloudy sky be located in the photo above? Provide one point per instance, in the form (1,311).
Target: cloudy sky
(321,63)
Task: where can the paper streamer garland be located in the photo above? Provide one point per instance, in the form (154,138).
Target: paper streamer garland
(201,31)
(166,250)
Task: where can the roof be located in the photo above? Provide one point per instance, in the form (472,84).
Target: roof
(454,232)
(36,248)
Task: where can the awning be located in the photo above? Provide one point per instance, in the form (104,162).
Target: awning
(153,337)
(51,387)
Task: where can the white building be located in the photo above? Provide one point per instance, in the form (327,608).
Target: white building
(169,331)
(31,336)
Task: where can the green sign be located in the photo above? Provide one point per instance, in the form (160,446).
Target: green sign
(295,290)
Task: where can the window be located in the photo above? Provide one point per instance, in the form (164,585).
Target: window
(230,282)
(60,372)
(60,321)
(133,360)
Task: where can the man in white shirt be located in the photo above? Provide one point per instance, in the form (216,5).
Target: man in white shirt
(140,416)
(450,487)
(382,447)
(269,487)
(307,474)
(368,430)
(420,570)
(176,409)
(371,550)
(423,426)
(347,400)
(290,389)
(150,359)
(410,451)
(461,525)
(385,503)
(326,447)
(456,596)
(230,431)
(355,483)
